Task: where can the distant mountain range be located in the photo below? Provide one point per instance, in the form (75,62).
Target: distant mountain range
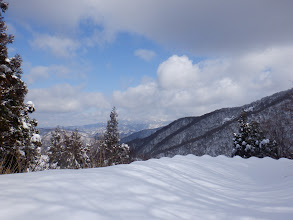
(212,133)
(89,132)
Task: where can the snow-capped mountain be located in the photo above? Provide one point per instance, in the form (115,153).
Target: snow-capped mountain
(212,133)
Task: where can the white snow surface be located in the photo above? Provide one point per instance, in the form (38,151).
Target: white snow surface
(183,187)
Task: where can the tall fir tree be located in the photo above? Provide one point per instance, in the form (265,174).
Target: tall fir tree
(250,141)
(111,152)
(111,139)
(19,140)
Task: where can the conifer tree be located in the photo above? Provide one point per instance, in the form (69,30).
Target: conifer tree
(111,152)
(111,139)
(19,140)
(76,153)
(56,150)
(67,151)
(250,141)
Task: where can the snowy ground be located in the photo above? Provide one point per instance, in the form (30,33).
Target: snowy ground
(183,187)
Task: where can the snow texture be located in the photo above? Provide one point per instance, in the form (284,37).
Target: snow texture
(183,187)
(30,104)
(36,138)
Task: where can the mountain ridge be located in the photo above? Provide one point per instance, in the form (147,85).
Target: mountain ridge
(179,136)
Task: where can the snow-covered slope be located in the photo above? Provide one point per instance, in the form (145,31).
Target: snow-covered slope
(183,187)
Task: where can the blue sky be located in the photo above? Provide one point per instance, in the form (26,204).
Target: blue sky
(153,60)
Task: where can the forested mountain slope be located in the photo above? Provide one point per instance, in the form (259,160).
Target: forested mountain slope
(212,133)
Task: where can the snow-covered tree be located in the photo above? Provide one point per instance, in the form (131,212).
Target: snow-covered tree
(76,153)
(250,141)
(110,140)
(56,150)
(111,152)
(121,154)
(19,140)
(67,151)
(112,136)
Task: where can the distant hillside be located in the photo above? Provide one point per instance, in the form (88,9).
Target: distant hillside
(212,133)
(139,135)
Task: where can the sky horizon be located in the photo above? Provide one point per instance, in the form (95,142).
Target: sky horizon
(152,60)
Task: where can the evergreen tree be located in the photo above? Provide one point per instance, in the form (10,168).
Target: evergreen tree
(76,153)
(19,140)
(121,154)
(112,136)
(250,141)
(85,156)
(56,150)
(67,151)
(111,139)
(111,152)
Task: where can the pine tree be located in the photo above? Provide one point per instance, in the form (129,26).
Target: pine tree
(250,141)
(19,140)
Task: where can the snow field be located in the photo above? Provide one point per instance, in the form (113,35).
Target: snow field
(183,187)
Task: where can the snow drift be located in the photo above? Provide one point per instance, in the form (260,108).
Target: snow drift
(183,187)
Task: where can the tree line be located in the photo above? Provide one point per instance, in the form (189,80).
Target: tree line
(68,151)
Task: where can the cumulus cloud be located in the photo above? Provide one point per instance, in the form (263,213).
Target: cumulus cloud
(183,88)
(146,55)
(202,27)
(58,46)
(178,72)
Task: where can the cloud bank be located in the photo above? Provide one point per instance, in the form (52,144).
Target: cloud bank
(183,88)
(199,26)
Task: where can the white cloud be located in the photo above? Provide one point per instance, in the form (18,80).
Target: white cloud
(65,98)
(137,97)
(58,46)
(100,38)
(178,72)
(38,73)
(202,27)
(146,55)
(183,88)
